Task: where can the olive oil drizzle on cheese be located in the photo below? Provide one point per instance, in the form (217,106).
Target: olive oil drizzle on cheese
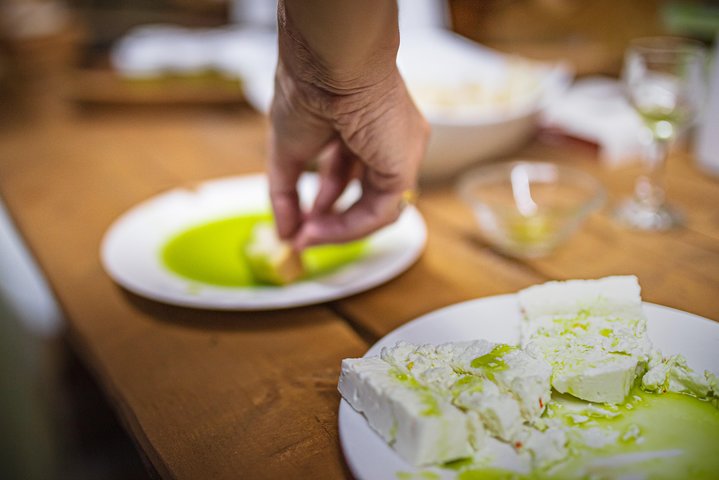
(659,436)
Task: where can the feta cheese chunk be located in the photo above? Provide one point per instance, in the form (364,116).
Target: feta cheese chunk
(617,295)
(498,410)
(592,332)
(442,369)
(271,259)
(518,372)
(477,388)
(519,377)
(543,447)
(587,371)
(421,425)
(674,375)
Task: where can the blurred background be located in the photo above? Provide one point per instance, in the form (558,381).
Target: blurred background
(61,50)
(74,62)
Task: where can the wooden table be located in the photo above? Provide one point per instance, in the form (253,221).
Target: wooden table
(253,395)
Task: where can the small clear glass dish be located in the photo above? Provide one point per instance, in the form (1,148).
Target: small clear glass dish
(526,209)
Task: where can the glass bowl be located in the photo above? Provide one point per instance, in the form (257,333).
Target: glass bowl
(526,209)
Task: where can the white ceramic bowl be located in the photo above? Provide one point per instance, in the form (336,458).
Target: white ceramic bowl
(480,103)
(454,146)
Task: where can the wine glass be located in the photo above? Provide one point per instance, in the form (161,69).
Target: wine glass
(664,81)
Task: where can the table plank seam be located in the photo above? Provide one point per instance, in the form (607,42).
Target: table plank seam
(367,335)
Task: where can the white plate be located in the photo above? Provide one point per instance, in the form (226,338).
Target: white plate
(497,319)
(131,248)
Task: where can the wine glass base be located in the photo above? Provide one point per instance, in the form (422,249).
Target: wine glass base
(637,216)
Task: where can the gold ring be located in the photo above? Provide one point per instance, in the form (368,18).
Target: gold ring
(408,197)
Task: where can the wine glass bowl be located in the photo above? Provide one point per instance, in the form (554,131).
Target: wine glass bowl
(664,81)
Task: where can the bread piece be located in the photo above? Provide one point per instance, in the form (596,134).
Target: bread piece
(271,259)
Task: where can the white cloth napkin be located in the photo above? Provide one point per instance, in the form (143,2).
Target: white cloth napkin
(153,50)
(595,109)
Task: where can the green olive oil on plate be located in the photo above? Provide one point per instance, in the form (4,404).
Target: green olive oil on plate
(673,436)
(212,253)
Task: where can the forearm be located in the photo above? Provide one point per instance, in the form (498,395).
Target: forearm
(339,44)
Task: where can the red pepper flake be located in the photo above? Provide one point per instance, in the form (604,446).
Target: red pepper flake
(518,445)
(541,403)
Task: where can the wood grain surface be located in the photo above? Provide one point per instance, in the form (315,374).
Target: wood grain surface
(253,395)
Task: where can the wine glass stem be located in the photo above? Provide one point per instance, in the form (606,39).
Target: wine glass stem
(649,189)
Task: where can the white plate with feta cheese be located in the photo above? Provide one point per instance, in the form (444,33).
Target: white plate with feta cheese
(131,249)
(497,319)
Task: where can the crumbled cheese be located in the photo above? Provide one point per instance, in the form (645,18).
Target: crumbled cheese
(592,332)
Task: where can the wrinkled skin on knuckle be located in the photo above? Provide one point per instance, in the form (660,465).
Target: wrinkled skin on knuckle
(384,134)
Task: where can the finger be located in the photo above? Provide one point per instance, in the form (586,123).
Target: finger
(373,210)
(295,139)
(336,171)
(283,172)
(287,212)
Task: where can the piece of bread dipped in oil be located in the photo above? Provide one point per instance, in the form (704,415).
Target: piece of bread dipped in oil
(271,259)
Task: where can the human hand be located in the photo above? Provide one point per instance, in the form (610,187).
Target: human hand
(364,125)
